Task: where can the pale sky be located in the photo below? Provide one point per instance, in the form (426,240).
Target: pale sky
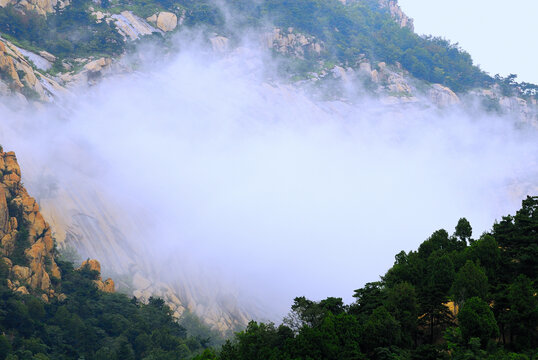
(500,35)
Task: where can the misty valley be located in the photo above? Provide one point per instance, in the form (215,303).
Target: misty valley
(269,179)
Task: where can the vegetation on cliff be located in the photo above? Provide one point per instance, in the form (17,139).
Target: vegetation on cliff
(349,33)
(456,297)
(69,32)
(89,324)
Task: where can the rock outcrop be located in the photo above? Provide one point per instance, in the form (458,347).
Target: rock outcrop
(7,68)
(443,96)
(165,21)
(397,14)
(27,245)
(42,7)
(20,77)
(394,10)
(105,286)
(219,43)
(129,25)
(291,43)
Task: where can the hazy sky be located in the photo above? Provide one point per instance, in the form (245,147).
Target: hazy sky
(500,35)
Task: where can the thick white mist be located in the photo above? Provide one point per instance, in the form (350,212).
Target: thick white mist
(258,187)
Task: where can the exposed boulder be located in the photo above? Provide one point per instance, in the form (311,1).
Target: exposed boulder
(443,96)
(21,273)
(97,65)
(94,265)
(48,56)
(22,290)
(42,7)
(166,21)
(292,43)
(7,68)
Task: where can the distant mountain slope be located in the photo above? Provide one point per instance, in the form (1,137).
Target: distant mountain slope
(350,31)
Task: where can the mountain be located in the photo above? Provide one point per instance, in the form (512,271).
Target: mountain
(50,50)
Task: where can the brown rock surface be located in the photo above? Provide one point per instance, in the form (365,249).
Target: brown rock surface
(19,73)
(108,284)
(39,256)
(93,265)
(7,67)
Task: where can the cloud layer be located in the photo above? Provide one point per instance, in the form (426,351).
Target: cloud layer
(263,189)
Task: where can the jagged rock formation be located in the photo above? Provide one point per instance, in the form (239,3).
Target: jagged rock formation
(132,27)
(394,9)
(165,21)
(19,77)
(42,7)
(105,286)
(26,239)
(291,43)
(397,13)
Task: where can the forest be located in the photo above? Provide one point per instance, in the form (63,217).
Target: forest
(90,324)
(456,297)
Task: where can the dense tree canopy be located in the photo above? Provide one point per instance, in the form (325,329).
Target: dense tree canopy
(89,324)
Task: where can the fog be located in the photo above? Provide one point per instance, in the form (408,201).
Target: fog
(260,187)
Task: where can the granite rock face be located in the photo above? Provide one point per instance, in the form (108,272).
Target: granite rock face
(20,76)
(26,245)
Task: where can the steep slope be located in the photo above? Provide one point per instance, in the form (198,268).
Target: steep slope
(99,228)
(27,242)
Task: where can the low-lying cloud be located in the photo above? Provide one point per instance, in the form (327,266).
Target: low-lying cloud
(263,189)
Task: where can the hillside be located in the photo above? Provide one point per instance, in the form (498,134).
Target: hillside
(336,51)
(73,42)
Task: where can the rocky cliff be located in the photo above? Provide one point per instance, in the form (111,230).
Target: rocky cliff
(27,244)
(20,76)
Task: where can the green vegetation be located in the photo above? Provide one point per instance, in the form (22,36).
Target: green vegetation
(90,324)
(492,279)
(364,29)
(69,32)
